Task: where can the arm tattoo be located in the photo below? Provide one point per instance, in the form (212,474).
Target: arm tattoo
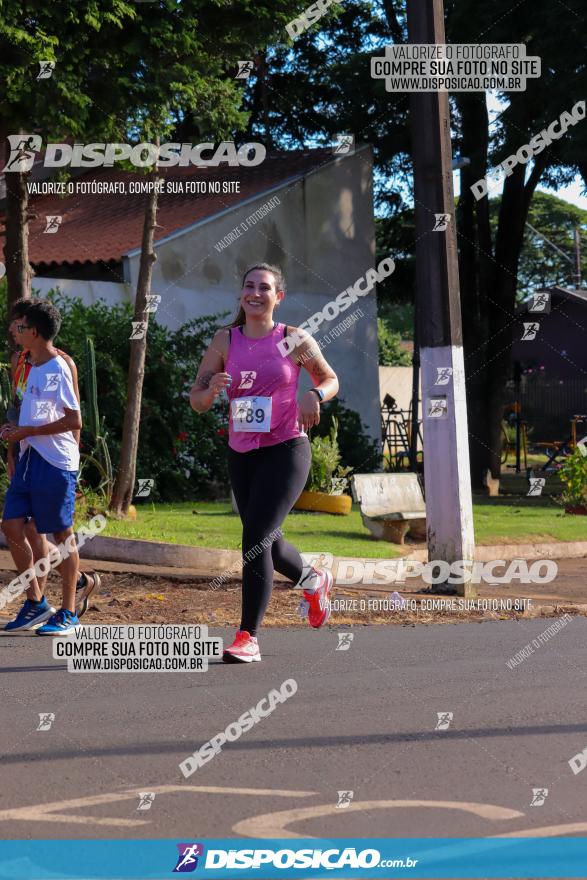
(204,379)
(319,370)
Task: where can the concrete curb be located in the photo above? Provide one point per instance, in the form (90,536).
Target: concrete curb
(507,552)
(216,562)
(157,553)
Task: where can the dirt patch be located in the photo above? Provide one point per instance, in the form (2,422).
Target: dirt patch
(131,598)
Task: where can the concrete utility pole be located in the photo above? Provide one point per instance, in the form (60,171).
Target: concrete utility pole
(449,511)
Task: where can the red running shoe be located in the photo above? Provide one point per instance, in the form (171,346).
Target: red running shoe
(244,649)
(319,610)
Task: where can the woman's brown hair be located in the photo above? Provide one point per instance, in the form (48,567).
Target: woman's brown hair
(241,317)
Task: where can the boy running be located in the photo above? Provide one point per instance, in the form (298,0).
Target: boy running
(43,486)
(20,362)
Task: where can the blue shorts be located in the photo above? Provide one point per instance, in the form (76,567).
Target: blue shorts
(41,491)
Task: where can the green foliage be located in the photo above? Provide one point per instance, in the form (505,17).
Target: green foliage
(95,465)
(541,265)
(399,316)
(573,474)
(185,453)
(391,354)
(358,451)
(5,391)
(395,236)
(326,473)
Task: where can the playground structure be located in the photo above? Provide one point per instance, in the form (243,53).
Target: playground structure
(396,434)
(562,448)
(552,449)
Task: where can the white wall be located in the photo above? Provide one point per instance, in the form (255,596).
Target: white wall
(88,291)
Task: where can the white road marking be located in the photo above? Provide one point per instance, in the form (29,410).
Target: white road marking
(548,830)
(274,824)
(53,812)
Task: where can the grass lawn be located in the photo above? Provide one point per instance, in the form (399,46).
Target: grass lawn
(212,524)
(522,520)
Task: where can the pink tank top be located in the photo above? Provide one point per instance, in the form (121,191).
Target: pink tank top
(259,370)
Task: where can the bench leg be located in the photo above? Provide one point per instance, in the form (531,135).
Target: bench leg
(418,529)
(395,531)
(374,526)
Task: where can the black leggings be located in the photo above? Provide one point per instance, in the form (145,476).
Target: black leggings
(266,483)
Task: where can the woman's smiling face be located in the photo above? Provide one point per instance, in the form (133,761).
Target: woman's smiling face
(259,295)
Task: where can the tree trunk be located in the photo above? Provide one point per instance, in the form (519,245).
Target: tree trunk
(475,260)
(509,239)
(125,478)
(16,245)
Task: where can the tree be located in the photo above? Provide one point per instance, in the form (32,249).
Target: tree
(541,264)
(74,35)
(490,259)
(345,98)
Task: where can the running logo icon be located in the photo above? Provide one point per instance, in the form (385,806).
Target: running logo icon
(345,145)
(187,861)
(444,719)
(152,302)
(52,383)
(247,379)
(146,799)
(441,221)
(139,328)
(540,302)
(536,486)
(245,69)
(46,719)
(539,795)
(344,641)
(443,375)
(53,223)
(144,488)
(344,799)
(22,152)
(437,407)
(46,69)
(530,331)
(44,409)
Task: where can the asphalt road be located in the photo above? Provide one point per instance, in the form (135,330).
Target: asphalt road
(363,720)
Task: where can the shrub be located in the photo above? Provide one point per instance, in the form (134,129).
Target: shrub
(357,449)
(185,453)
(391,354)
(326,473)
(573,474)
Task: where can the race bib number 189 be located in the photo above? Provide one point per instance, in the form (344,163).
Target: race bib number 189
(251,414)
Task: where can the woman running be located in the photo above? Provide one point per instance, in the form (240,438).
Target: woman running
(269,452)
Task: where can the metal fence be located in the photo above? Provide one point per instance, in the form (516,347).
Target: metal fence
(548,405)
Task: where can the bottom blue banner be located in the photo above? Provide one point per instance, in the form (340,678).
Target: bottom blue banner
(296,857)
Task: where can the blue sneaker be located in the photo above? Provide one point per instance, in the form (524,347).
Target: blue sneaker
(31,614)
(61,623)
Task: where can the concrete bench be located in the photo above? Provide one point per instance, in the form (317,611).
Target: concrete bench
(391,505)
